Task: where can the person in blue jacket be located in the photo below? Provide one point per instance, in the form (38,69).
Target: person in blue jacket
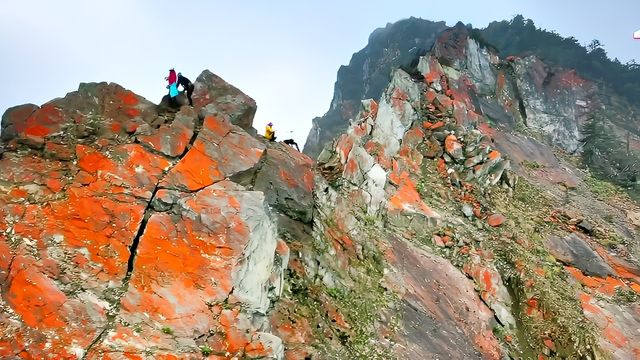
(173,87)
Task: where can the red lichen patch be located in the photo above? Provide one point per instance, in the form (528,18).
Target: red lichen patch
(623,268)
(407,198)
(394,175)
(438,241)
(334,314)
(360,130)
(170,140)
(443,103)
(571,79)
(37,131)
(550,344)
(442,167)
(486,129)
(411,158)
(91,236)
(451,145)
(496,220)
(44,121)
(195,171)
(377,151)
(128,98)
(606,286)
(437,125)
(615,336)
(486,279)
(610,285)
(431,95)
(463,322)
(289,179)
(115,127)
(399,99)
(54,185)
(183,264)
(129,168)
(256,349)
(435,71)
(340,238)
(351,169)
(344,147)
(370,109)
(413,137)
(34,297)
(494,155)
(532,308)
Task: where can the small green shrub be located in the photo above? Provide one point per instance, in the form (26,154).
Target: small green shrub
(205,350)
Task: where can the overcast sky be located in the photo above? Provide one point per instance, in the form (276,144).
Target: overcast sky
(284,54)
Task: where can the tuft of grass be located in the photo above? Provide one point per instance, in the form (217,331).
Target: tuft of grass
(531,164)
(167,330)
(603,189)
(625,296)
(206,350)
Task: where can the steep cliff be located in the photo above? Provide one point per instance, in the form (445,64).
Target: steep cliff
(122,236)
(548,92)
(425,174)
(367,74)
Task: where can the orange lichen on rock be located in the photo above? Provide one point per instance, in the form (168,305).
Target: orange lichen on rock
(407,198)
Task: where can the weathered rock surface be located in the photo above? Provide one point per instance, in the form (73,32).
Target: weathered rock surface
(120,236)
(214,96)
(130,231)
(367,75)
(574,251)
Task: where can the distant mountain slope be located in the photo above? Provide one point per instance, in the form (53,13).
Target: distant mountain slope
(616,85)
(368,73)
(521,37)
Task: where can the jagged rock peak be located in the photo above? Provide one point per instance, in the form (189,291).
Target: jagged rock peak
(123,233)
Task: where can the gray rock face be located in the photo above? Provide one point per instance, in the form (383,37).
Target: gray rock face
(285,178)
(367,75)
(574,251)
(214,96)
(552,103)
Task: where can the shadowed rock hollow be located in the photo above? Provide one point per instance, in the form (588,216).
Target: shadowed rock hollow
(127,232)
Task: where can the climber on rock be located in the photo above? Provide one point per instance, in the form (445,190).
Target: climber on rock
(291,142)
(173,88)
(187,86)
(269,133)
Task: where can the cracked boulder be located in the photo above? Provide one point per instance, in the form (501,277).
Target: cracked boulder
(197,267)
(221,150)
(119,234)
(214,96)
(65,233)
(286,178)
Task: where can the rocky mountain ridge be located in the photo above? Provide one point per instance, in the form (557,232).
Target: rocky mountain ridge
(422,231)
(556,101)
